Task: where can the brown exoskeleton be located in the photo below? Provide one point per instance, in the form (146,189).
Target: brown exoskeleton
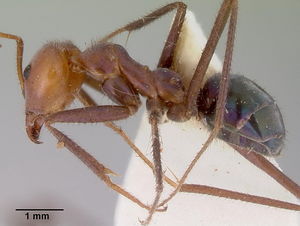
(51,85)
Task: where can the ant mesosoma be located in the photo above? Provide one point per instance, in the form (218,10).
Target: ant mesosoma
(55,76)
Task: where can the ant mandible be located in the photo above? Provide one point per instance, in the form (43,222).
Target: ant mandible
(49,86)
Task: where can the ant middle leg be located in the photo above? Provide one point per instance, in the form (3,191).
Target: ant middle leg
(144,21)
(154,104)
(228,7)
(99,169)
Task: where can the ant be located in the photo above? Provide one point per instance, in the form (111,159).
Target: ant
(49,86)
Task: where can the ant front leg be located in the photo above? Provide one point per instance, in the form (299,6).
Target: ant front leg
(30,82)
(99,169)
(20,45)
(91,115)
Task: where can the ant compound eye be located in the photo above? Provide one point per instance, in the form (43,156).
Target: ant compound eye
(26,72)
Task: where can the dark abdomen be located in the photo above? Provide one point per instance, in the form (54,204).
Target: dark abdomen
(251,119)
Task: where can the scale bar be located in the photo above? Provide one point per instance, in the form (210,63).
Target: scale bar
(39,209)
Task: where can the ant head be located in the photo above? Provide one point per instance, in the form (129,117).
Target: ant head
(49,83)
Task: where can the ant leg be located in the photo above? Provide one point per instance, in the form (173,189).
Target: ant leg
(91,115)
(85,98)
(87,101)
(203,189)
(226,8)
(256,159)
(89,160)
(166,57)
(154,108)
(193,188)
(166,62)
(157,169)
(137,24)
(212,41)
(100,170)
(262,163)
(20,46)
